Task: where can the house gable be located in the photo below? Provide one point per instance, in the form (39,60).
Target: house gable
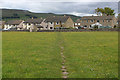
(69,23)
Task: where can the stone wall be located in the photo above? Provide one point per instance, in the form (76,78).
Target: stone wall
(64,30)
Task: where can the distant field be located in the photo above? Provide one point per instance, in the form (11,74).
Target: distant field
(37,55)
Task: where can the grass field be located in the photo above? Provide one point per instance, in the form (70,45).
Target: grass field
(37,55)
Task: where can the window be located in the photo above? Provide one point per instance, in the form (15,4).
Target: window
(75,23)
(92,20)
(108,20)
(85,25)
(47,26)
(87,21)
(51,22)
(90,26)
(115,26)
(103,20)
(78,23)
(57,23)
(98,21)
(51,27)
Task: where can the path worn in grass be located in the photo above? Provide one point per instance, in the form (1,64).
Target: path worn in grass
(63,58)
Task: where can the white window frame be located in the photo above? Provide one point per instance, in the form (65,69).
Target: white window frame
(78,23)
(57,23)
(91,20)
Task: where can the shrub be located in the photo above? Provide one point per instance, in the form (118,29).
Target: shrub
(96,27)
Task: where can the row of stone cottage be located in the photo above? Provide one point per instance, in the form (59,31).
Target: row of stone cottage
(52,22)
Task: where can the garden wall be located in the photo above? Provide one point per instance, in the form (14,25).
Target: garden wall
(63,30)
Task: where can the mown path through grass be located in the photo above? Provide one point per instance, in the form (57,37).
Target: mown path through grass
(63,60)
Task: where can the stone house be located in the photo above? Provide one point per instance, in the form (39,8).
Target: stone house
(87,21)
(2,23)
(59,22)
(13,24)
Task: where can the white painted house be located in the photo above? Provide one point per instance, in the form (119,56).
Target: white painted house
(13,24)
(38,23)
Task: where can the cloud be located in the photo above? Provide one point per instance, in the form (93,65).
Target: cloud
(76,8)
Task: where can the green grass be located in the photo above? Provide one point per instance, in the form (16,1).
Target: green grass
(91,54)
(30,55)
(37,55)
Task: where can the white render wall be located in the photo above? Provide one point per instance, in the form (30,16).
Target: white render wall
(50,25)
(7,27)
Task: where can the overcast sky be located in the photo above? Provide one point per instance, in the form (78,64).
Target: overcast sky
(81,8)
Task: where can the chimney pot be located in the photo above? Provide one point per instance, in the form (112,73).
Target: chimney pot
(64,15)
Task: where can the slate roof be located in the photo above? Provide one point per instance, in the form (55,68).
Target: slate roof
(2,22)
(34,21)
(14,22)
(97,17)
(77,21)
(57,19)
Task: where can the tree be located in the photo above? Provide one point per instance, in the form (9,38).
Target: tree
(98,11)
(104,11)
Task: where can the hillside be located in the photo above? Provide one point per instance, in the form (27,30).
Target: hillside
(8,14)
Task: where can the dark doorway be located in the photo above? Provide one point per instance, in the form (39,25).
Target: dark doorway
(98,21)
(51,27)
